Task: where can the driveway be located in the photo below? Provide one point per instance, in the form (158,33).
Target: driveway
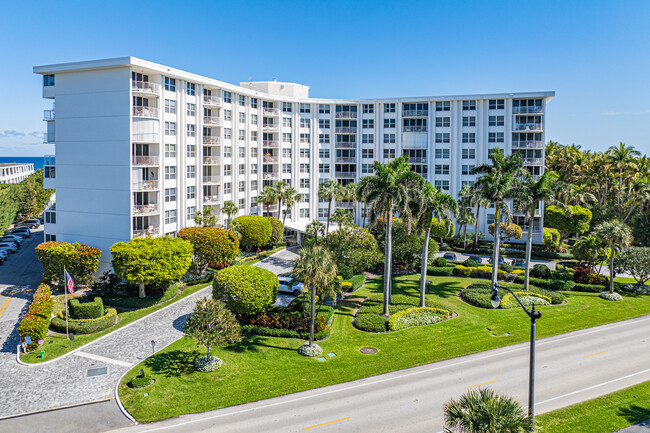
(463,257)
(281,262)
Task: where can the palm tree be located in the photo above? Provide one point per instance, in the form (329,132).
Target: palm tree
(638,192)
(429,202)
(291,197)
(390,188)
(329,190)
(350,194)
(528,194)
(494,185)
(280,188)
(621,156)
(342,217)
(465,216)
(475,199)
(267,197)
(315,268)
(315,229)
(484,411)
(229,208)
(617,235)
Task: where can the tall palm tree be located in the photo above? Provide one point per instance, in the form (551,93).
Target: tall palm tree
(280,189)
(291,197)
(229,208)
(621,155)
(329,190)
(475,199)
(316,268)
(529,193)
(617,235)
(390,188)
(267,197)
(429,201)
(465,216)
(314,229)
(494,185)
(638,191)
(350,194)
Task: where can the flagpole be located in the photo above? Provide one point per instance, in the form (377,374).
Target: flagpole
(65,290)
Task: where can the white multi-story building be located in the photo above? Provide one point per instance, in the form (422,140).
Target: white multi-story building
(15,172)
(141,147)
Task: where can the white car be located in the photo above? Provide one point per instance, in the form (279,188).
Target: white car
(18,240)
(8,246)
(3,255)
(288,285)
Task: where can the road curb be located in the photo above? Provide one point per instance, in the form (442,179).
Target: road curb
(34,412)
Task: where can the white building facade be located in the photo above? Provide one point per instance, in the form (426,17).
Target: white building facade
(141,147)
(15,172)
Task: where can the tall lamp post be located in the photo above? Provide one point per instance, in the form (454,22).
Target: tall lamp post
(534,315)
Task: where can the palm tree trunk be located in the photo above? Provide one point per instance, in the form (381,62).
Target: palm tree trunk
(495,254)
(465,236)
(365,211)
(279,207)
(611,270)
(631,209)
(329,211)
(209,346)
(313,313)
(284,218)
(141,293)
(387,264)
(478,210)
(425,260)
(529,247)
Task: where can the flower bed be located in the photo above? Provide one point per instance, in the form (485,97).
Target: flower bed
(311,351)
(526,298)
(206,364)
(417,316)
(288,324)
(611,296)
(478,294)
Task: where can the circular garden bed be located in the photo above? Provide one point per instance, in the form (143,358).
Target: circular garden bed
(478,294)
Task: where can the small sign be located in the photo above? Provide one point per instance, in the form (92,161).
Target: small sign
(24,345)
(28,339)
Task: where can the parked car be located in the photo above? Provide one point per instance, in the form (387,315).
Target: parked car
(8,246)
(450,256)
(12,238)
(3,255)
(519,263)
(32,224)
(22,231)
(501,260)
(477,259)
(289,285)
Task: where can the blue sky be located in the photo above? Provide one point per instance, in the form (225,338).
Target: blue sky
(594,54)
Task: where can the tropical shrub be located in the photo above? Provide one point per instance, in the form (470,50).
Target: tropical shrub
(211,245)
(551,238)
(469,263)
(323,322)
(255,230)
(540,271)
(575,222)
(80,260)
(439,262)
(212,324)
(246,290)
(507,231)
(85,326)
(564,285)
(35,323)
(277,230)
(636,262)
(590,288)
(369,318)
(440,272)
(416,316)
(407,247)
(506,267)
(440,229)
(479,293)
(140,382)
(354,250)
(526,298)
(86,310)
(584,275)
(611,296)
(42,302)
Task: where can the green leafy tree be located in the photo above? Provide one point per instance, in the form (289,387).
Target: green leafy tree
(246,290)
(316,269)
(230,209)
(277,230)
(408,246)
(211,245)
(151,261)
(617,235)
(80,260)
(507,231)
(636,262)
(354,247)
(441,228)
(571,219)
(255,230)
(591,251)
(551,239)
(329,190)
(205,218)
(267,197)
(212,324)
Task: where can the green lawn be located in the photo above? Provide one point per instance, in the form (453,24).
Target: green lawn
(57,345)
(605,414)
(263,367)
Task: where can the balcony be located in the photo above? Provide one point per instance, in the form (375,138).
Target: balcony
(145,209)
(211,179)
(417,160)
(527,144)
(48,137)
(533,161)
(415,129)
(49,160)
(346,115)
(346,145)
(528,110)
(344,204)
(144,111)
(211,101)
(145,87)
(211,160)
(269,111)
(270,127)
(210,139)
(145,137)
(48,115)
(210,199)
(211,120)
(270,159)
(145,185)
(527,127)
(145,160)
(151,231)
(345,130)
(346,159)
(269,175)
(345,174)
(271,143)
(415,113)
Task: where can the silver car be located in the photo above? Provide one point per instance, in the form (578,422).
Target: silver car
(8,246)
(18,240)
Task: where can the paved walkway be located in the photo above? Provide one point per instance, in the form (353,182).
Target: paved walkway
(643,427)
(281,262)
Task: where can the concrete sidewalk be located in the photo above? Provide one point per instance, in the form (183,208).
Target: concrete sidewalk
(643,427)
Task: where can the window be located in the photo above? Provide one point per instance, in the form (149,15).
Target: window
(253,152)
(170,84)
(415,125)
(366,168)
(170,173)
(305,108)
(227,133)
(191,109)
(496,104)
(305,123)
(253,168)
(304,168)
(495,137)
(323,153)
(443,106)
(368,123)
(466,169)
(191,89)
(367,138)
(304,153)
(286,122)
(442,122)
(469,120)
(496,121)
(324,123)
(253,135)
(191,192)
(389,108)
(253,102)
(242,203)
(227,170)
(227,188)
(286,107)
(227,151)
(322,212)
(170,150)
(442,169)
(323,109)
(242,117)
(242,152)
(191,212)
(286,153)
(442,137)
(469,105)
(48,80)
(241,99)
(368,153)
(50,217)
(227,114)
(191,171)
(389,138)
(170,195)
(304,213)
(286,137)
(305,198)
(170,106)
(469,153)
(368,108)
(254,119)
(323,138)
(253,185)
(253,201)
(442,153)
(305,138)
(442,185)
(170,216)
(191,130)
(242,186)
(227,97)
(389,153)
(469,137)
(242,134)
(242,169)
(490,218)
(304,183)
(389,123)
(323,168)
(286,168)
(170,128)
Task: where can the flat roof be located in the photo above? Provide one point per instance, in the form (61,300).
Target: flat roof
(9,164)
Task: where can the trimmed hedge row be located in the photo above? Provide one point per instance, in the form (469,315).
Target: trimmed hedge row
(37,320)
(356,282)
(440,272)
(565,285)
(86,310)
(90,326)
(590,288)
(326,315)
(133,302)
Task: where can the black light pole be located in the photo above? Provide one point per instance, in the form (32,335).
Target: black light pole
(534,315)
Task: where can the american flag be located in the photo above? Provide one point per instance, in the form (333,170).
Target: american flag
(69,284)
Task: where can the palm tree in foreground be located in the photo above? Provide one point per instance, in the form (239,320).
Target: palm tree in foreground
(617,235)
(267,197)
(280,191)
(291,197)
(390,188)
(229,208)
(484,411)
(316,269)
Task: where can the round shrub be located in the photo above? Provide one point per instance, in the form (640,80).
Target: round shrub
(84,326)
(211,245)
(611,296)
(469,263)
(140,382)
(246,290)
(80,260)
(551,238)
(540,271)
(353,248)
(206,364)
(312,351)
(255,230)
(416,317)
(277,230)
(439,262)
(506,267)
(370,322)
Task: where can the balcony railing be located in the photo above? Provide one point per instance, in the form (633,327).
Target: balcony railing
(271,143)
(269,127)
(49,160)
(271,111)
(417,160)
(210,139)
(527,110)
(346,174)
(145,209)
(415,113)
(346,145)
(527,144)
(410,128)
(533,161)
(211,120)
(270,159)
(48,137)
(345,204)
(211,179)
(527,127)
(345,130)
(210,199)
(270,175)
(211,160)
(145,159)
(145,87)
(346,115)
(48,114)
(145,137)
(145,185)
(142,111)
(346,159)
(211,100)
(152,231)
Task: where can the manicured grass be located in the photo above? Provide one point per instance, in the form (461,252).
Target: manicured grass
(57,345)
(627,280)
(263,367)
(605,414)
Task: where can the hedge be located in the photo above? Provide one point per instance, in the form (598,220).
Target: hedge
(86,310)
(326,316)
(42,302)
(277,230)
(590,288)
(90,326)
(564,285)
(482,272)
(440,272)
(133,302)
(35,323)
(80,260)
(246,290)
(357,281)
(255,230)
(416,316)
(211,246)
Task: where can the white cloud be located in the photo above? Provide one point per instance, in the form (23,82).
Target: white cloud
(11,133)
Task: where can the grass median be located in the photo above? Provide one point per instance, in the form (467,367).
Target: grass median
(264,367)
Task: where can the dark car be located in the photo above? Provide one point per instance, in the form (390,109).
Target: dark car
(501,260)
(32,224)
(450,256)
(477,259)
(16,240)
(519,263)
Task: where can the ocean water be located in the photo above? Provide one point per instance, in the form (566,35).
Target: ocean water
(36,160)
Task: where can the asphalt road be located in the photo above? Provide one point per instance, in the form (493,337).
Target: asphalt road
(570,368)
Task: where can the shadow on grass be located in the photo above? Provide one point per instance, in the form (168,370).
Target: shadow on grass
(173,363)
(446,289)
(250,343)
(634,414)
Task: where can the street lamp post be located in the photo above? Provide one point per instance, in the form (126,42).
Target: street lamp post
(534,315)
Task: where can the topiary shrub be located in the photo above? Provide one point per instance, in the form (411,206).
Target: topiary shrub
(440,272)
(246,290)
(277,230)
(551,239)
(506,267)
(255,230)
(370,322)
(140,382)
(85,326)
(470,263)
(86,310)
(211,246)
(417,316)
(540,271)
(357,281)
(439,262)
(589,288)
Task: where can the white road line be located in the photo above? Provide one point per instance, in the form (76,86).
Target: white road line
(104,359)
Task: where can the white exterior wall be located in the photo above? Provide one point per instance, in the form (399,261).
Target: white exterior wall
(15,173)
